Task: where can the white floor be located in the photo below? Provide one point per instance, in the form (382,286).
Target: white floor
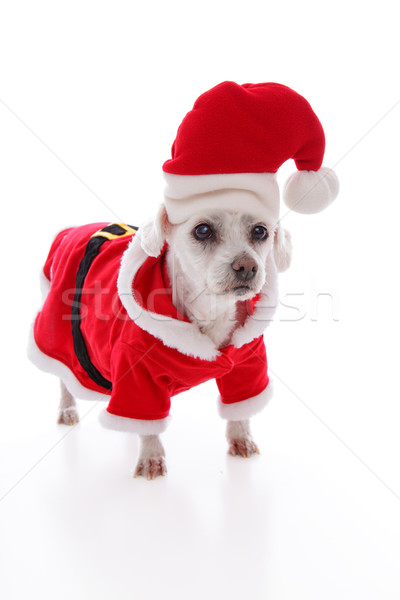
(305,519)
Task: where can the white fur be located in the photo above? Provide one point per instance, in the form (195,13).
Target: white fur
(309,192)
(188,195)
(201,278)
(213,315)
(152,233)
(150,447)
(238,411)
(151,462)
(67,411)
(140,426)
(186,337)
(282,248)
(264,311)
(66,400)
(240,440)
(173,333)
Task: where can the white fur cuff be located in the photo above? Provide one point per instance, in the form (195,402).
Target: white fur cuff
(125,424)
(238,411)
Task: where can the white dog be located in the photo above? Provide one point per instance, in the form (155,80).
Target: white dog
(197,285)
(215,262)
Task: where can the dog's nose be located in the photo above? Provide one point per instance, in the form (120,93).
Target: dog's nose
(245,268)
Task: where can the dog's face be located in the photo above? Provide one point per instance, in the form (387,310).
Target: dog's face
(224,253)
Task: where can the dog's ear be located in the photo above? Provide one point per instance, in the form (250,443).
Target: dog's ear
(153,232)
(282,248)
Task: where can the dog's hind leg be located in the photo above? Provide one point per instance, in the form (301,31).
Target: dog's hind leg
(240,440)
(67,412)
(151,463)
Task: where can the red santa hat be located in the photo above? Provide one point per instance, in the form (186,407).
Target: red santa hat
(230,145)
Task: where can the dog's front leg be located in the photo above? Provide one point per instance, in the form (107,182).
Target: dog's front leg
(240,439)
(151,463)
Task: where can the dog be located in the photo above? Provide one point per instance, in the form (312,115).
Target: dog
(216,263)
(134,316)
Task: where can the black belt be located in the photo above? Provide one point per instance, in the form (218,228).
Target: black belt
(110,232)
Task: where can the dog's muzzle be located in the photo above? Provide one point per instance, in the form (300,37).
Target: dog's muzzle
(244,268)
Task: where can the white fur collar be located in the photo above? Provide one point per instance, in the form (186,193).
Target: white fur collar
(181,335)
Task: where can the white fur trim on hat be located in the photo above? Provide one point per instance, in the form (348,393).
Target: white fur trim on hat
(309,192)
(238,411)
(188,195)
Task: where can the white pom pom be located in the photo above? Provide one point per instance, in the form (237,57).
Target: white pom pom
(310,192)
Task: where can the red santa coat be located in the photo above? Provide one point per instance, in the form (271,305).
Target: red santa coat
(108,329)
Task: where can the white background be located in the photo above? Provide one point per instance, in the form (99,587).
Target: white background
(91,95)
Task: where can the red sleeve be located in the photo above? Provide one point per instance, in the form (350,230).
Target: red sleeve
(249,376)
(138,392)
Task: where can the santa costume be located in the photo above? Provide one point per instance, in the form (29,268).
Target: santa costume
(108,327)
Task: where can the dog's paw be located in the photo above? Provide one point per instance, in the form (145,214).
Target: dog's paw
(244,447)
(151,468)
(68,416)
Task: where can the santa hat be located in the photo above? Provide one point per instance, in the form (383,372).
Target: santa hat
(230,145)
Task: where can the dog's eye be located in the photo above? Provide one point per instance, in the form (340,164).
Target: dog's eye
(259,233)
(203,232)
